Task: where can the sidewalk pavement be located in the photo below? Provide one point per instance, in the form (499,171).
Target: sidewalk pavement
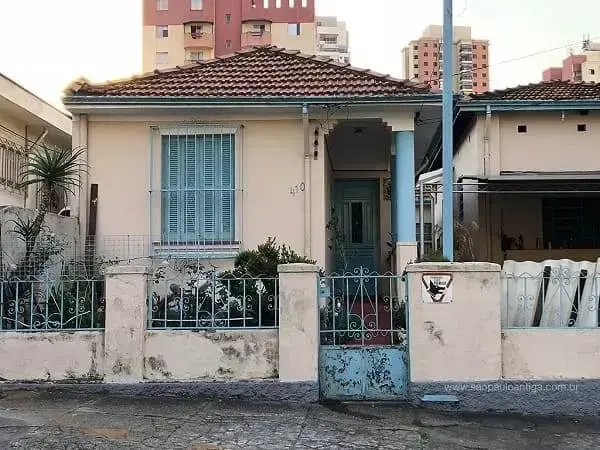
(45,420)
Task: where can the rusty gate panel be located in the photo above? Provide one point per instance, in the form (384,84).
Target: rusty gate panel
(363,353)
(386,376)
(341,373)
(363,373)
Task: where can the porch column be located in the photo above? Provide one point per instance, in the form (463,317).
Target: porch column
(394,198)
(404,196)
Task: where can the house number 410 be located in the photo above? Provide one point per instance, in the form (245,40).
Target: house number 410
(297,189)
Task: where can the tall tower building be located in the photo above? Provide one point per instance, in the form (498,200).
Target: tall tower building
(177,32)
(333,39)
(423,60)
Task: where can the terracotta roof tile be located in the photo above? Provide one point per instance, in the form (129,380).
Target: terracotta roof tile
(546,90)
(260,72)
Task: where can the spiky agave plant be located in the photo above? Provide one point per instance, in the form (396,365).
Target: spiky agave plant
(50,170)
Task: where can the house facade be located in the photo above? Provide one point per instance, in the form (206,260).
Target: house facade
(527,172)
(26,122)
(213,158)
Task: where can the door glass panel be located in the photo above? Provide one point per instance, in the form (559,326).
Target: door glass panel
(356,211)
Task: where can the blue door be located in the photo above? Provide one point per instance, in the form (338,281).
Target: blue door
(356,209)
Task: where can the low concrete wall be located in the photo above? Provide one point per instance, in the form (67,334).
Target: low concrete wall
(51,356)
(551,354)
(459,339)
(232,355)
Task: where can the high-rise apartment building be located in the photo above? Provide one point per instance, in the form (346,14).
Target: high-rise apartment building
(333,39)
(423,60)
(584,67)
(177,32)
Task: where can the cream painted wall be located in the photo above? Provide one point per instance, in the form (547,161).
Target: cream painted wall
(51,356)
(469,160)
(232,355)
(306,42)
(271,157)
(550,144)
(460,340)
(118,158)
(574,354)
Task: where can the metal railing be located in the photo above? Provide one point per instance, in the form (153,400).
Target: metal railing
(45,303)
(553,298)
(183,295)
(362,308)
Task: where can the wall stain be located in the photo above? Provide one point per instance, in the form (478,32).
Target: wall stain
(158,364)
(93,372)
(222,337)
(231,352)
(250,348)
(224,371)
(120,367)
(435,333)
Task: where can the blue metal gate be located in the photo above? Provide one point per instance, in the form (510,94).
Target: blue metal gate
(363,353)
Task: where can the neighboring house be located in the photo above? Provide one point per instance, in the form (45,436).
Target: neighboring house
(527,171)
(212,158)
(26,122)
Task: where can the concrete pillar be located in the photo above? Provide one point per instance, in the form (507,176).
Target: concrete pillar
(455,337)
(125,327)
(298,323)
(404,196)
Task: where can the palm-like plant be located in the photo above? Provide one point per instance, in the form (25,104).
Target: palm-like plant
(51,171)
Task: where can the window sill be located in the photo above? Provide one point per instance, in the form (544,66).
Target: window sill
(225,250)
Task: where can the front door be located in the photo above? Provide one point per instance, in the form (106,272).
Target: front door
(357,213)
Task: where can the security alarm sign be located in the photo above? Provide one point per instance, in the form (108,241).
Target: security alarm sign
(436,287)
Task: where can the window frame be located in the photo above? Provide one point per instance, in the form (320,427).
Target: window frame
(162,5)
(222,237)
(296,26)
(160,31)
(157,58)
(200,2)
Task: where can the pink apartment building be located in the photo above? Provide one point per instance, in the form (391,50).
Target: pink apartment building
(177,32)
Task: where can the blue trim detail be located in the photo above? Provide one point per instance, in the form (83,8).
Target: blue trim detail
(404,189)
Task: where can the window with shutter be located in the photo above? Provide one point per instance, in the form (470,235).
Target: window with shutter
(198,184)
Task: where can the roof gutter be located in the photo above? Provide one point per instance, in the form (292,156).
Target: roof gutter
(514,105)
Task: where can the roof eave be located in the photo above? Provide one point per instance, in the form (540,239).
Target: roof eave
(527,105)
(177,102)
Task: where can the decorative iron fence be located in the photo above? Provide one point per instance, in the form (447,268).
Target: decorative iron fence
(44,303)
(362,308)
(183,295)
(558,296)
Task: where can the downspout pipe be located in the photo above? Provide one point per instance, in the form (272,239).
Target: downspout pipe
(307,182)
(486,140)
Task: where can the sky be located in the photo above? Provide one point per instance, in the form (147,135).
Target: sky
(44,45)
